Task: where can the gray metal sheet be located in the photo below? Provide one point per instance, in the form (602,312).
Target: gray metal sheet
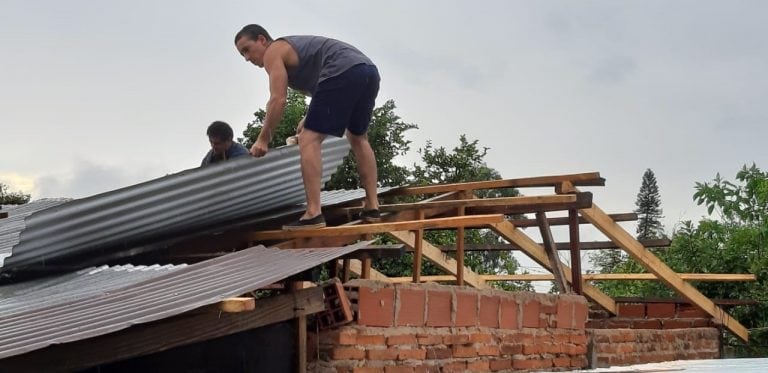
(182,202)
(11,226)
(89,310)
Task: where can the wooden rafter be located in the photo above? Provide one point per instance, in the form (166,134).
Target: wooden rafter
(653,264)
(511,233)
(583,179)
(525,223)
(711,277)
(350,230)
(584,245)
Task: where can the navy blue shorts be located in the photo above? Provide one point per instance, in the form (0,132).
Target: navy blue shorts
(344,102)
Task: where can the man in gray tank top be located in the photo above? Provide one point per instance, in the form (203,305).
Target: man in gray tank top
(343,83)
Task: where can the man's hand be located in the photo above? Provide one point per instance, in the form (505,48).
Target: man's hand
(260,147)
(300,127)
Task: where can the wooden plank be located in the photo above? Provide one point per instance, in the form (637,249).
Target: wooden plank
(479,202)
(582,179)
(709,277)
(437,257)
(418,244)
(586,245)
(143,339)
(301,334)
(573,232)
(549,246)
(356,267)
(511,233)
(653,264)
(441,223)
(237,304)
(583,200)
(460,251)
(525,223)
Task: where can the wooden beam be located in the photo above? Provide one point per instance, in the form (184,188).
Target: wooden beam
(237,304)
(525,223)
(588,245)
(460,251)
(549,246)
(653,264)
(417,248)
(573,233)
(192,327)
(709,277)
(583,179)
(583,200)
(512,234)
(437,257)
(480,202)
(441,223)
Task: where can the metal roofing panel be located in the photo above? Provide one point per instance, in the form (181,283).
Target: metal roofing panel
(89,312)
(182,202)
(11,226)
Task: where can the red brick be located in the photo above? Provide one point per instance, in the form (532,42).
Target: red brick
(618,324)
(646,324)
(398,369)
(488,351)
(456,366)
(464,351)
(478,366)
(575,350)
(580,314)
(564,314)
(466,309)
(561,362)
(631,310)
(691,311)
(662,310)
(429,339)
(438,353)
(526,364)
(531,314)
(511,349)
(579,362)
(497,365)
(385,354)
(579,339)
(368,370)
(370,340)
(346,337)
(489,311)
(532,349)
(412,354)
(677,324)
(347,353)
(481,338)
(410,309)
(594,324)
(401,339)
(508,314)
(439,308)
(455,339)
(548,308)
(426,369)
(376,306)
(701,323)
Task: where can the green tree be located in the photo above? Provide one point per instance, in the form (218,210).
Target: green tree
(12,198)
(649,212)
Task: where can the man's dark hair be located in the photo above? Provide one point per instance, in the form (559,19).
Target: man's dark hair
(220,131)
(252,32)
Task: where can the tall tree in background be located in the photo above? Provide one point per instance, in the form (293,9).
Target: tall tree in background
(295,107)
(12,198)
(649,212)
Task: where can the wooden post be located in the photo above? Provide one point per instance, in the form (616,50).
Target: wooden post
(573,222)
(345,271)
(549,246)
(460,251)
(301,334)
(418,243)
(365,271)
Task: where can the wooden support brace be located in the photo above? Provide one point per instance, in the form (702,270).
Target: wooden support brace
(554,260)
(460,251)
(573,230)
(237,304)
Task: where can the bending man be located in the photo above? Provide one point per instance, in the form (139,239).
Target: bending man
(343,83)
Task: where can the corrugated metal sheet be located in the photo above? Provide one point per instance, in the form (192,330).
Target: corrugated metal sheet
(11,226)
(182,202)
(88,310)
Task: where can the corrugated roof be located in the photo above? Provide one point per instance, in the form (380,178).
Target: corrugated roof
(183,202)
(93,303)
(11,226)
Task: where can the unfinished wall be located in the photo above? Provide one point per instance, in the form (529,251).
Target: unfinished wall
(648,332)
(430,328)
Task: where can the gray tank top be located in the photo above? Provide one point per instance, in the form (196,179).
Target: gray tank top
(320,58)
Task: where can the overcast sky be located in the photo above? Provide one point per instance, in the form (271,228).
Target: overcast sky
(96,95)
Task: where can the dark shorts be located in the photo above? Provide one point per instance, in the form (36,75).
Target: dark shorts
(344,102)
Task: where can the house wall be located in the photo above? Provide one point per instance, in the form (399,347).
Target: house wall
(431,328)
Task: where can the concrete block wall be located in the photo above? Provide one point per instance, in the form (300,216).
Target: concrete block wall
(436,328)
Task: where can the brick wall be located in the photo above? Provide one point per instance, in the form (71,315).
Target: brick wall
(431,328)
(611,347)
(657,315)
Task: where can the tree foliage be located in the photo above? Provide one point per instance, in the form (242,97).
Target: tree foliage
(649,212)
(295,108)
(12,198)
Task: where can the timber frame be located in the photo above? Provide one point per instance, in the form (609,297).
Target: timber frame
(458,207)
